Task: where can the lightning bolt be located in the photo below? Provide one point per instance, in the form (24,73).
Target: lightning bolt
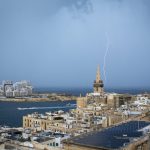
(105,55)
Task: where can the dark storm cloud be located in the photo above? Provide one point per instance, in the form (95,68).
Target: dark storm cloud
(80,5)
(46,7)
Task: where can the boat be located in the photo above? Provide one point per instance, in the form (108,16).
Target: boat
(68,104)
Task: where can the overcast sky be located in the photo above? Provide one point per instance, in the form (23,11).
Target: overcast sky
(59,43)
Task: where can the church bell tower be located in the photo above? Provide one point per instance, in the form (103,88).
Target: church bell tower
(98,83)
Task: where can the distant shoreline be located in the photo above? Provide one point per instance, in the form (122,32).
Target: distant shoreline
(36,99)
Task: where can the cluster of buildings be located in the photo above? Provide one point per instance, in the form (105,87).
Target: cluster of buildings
(17,89)
(27,139)
(101,121)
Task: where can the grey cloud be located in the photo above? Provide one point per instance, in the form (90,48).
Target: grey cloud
(81,5)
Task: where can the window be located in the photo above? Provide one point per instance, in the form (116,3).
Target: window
(53,143)
(56,144)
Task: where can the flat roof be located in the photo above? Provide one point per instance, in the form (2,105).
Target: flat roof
(44,139)
(113,137)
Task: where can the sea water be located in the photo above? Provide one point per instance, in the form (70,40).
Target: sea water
(11,113)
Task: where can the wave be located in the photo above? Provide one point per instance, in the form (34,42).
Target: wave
(58,107)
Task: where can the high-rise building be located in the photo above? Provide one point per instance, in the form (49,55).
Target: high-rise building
(17,89)
(98,83)
(6,85)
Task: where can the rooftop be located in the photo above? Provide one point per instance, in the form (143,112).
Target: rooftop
(114,137)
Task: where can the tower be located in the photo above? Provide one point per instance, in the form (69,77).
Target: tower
(98,83)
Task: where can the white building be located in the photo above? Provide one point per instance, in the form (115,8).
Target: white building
(18,89)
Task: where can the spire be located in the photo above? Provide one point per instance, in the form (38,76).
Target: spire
(98,83)
(98,74)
